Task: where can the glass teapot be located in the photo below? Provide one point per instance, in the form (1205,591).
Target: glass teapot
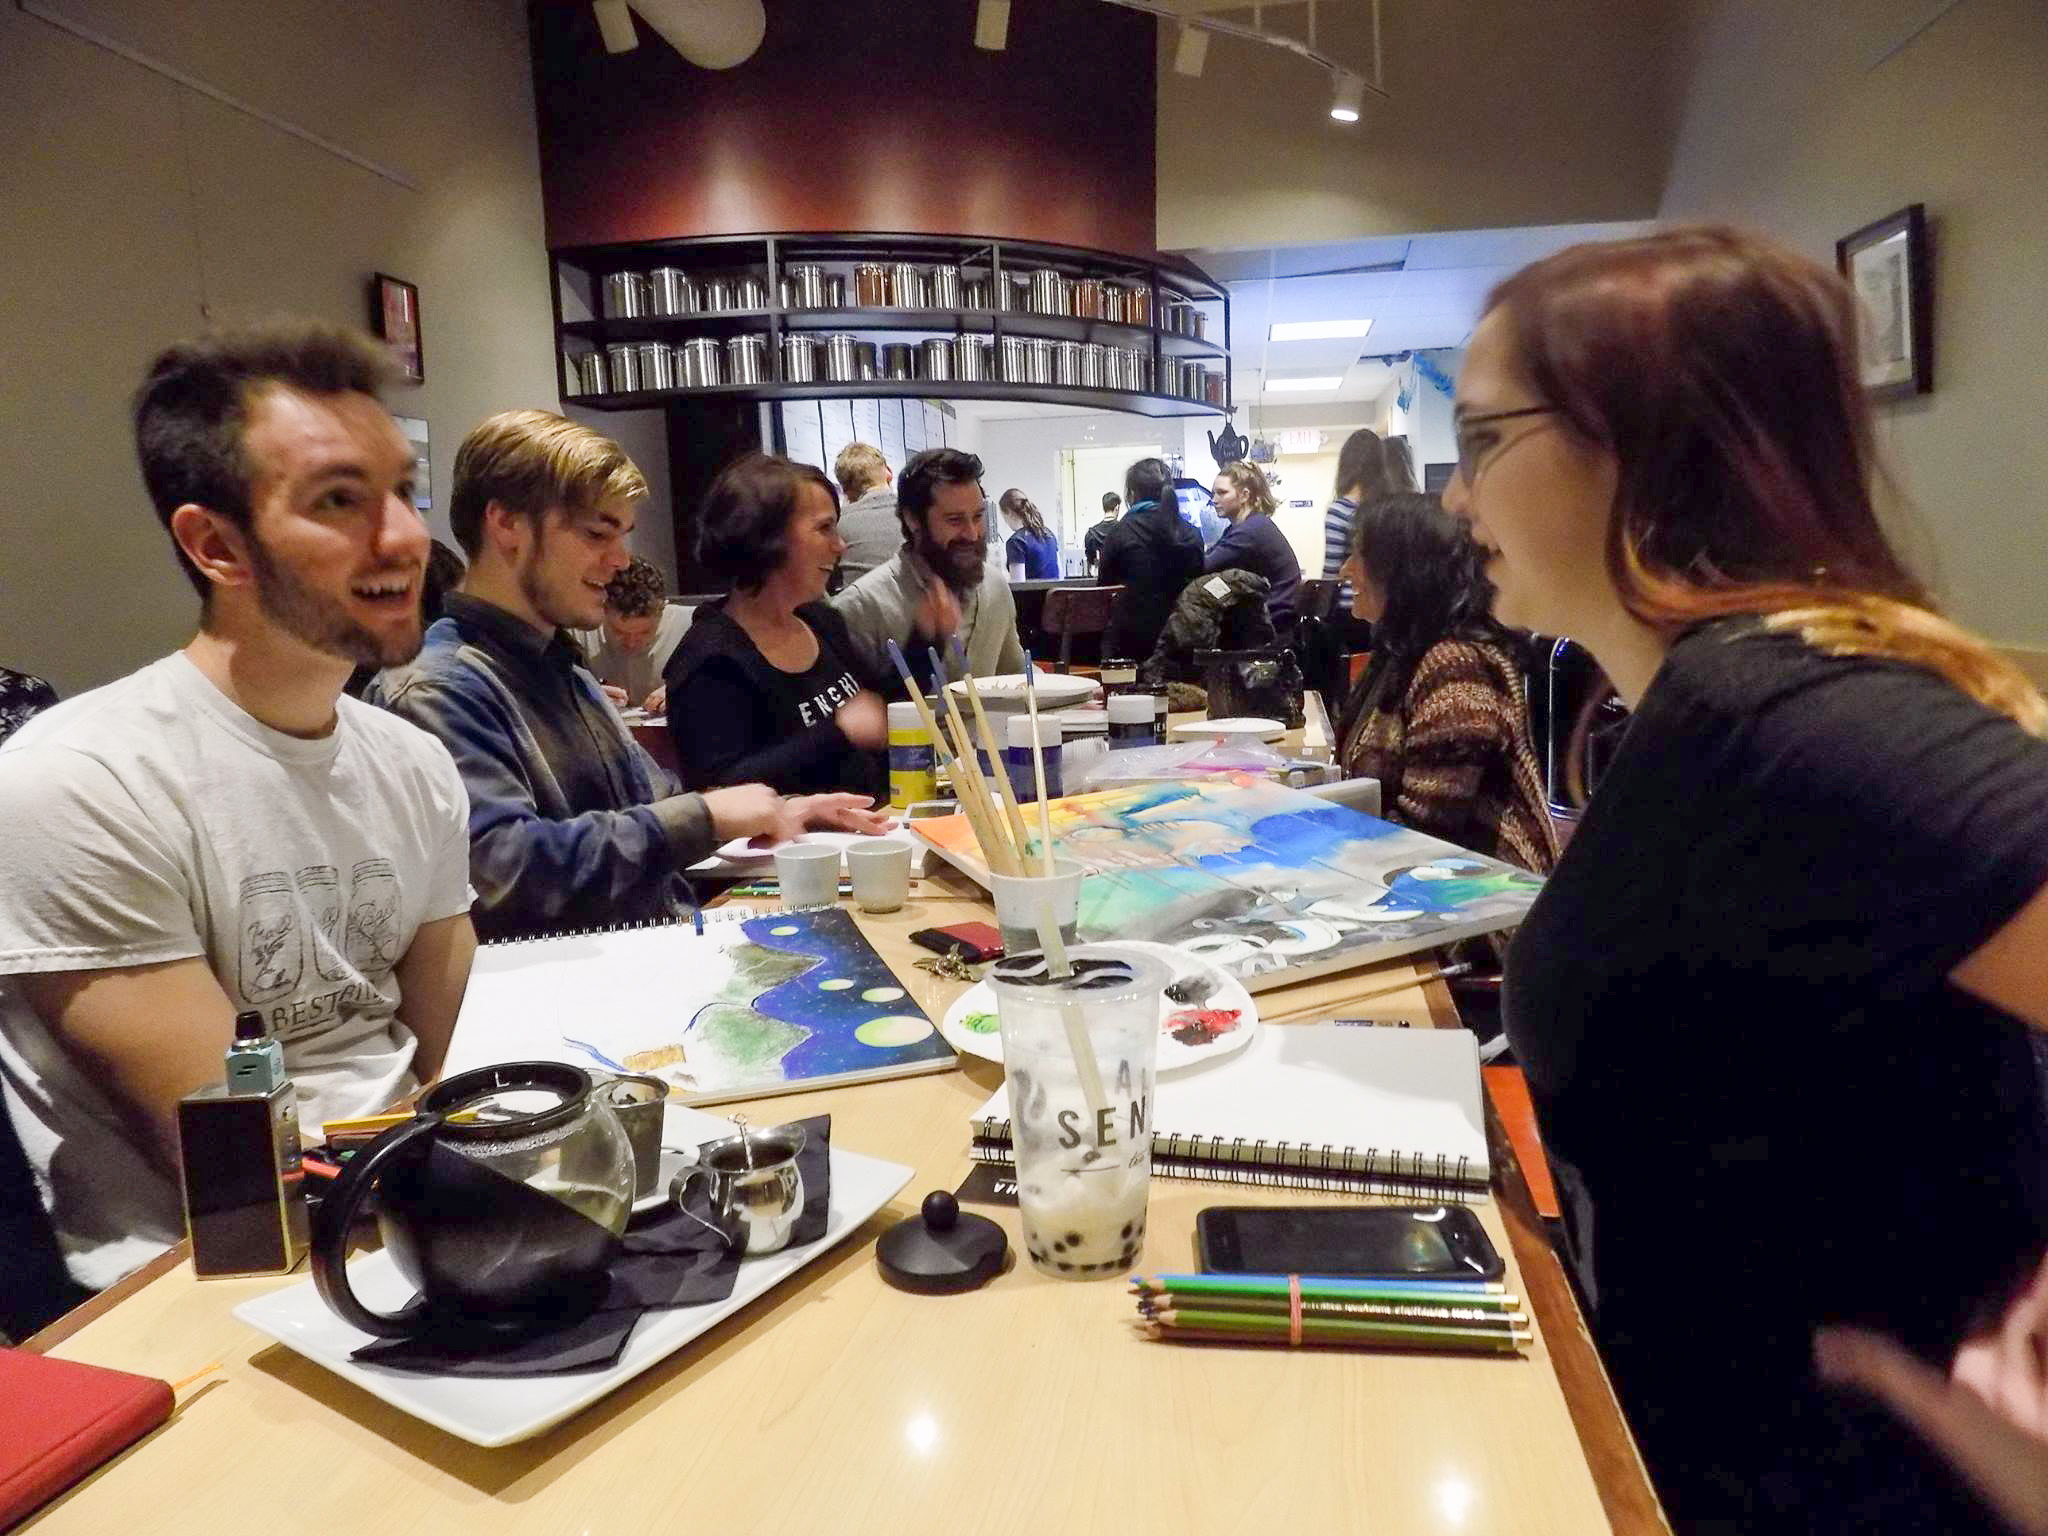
(502,1200)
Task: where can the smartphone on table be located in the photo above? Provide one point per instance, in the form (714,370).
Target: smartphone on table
(1391,1242)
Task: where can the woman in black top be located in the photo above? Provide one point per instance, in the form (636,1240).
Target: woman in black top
(1152,554)
(1254,541)
(1773,1002)
(766,686)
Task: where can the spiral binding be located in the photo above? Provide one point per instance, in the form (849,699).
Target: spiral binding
(1283,1165)
(732,914)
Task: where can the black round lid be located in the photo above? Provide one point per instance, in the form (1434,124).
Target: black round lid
(942,1249)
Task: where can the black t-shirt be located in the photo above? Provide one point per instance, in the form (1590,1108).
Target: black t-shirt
(1767,1106)
(736,718)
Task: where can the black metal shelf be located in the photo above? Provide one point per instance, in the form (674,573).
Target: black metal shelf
(713,322)
(935,322)
(1137,403)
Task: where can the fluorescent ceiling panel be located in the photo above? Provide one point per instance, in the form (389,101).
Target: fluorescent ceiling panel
(1303,386)
(1317,330)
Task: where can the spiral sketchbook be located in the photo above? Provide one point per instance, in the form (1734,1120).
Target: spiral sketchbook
(749,1006)
(1361,1108)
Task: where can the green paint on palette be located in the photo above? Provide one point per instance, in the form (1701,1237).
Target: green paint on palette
(893,1029)
(979,1023)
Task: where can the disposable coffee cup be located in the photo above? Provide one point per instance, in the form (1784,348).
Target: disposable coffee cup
(1024,901)
(808,874)
(1078,1057)
(881,874)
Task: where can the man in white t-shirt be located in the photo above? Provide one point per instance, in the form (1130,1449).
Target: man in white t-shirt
(224,830)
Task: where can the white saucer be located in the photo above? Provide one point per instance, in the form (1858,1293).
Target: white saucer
(969,1025)
(1005,691)
(1236,728)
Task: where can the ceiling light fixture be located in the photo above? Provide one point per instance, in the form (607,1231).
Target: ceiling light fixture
(1317,330)
(1303,386)
(1191,51)
(992,25)
(1350,97)
(711,34)
(615,25)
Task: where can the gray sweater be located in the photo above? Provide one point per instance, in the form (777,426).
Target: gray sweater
(879,608)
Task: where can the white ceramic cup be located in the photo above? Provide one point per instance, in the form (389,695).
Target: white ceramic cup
(1023,901)
(881,874)
(808,874)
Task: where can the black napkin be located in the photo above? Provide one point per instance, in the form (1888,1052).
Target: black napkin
(667,1260)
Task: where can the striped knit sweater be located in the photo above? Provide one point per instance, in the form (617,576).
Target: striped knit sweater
(1454,759)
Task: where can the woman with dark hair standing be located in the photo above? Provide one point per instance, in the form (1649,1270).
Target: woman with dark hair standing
(1367,466)
(1773,1003)
(1254,541)
(766,684)
(1031,546)
(1151,553)
(1441,716)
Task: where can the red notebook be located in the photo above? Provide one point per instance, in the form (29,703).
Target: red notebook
(60,1419)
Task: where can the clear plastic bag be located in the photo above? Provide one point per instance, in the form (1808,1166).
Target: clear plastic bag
(1177,760)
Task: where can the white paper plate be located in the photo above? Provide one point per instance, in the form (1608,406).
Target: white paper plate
(499,1410)
(1237,728)
(1056,690)
(969,1025)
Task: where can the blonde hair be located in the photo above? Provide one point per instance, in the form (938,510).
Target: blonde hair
(858,469)
(1250,481)
(533,460)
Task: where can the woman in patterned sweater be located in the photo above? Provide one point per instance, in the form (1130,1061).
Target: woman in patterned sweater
(1441,716)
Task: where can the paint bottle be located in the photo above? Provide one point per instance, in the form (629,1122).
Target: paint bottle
(913,766)
(1017,757)
(1133,722)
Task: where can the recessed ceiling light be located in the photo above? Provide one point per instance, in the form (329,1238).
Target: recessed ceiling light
(1275,386)
(1317,330)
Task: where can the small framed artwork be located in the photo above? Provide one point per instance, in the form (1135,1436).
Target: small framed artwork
(1890,267)
(395,311)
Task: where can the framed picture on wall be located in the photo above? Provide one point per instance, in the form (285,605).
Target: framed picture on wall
(1889,266)
(395,312)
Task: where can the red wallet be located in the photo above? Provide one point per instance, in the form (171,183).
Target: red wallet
(60,1419)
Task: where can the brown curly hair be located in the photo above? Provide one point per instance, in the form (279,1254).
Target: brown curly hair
(636,591)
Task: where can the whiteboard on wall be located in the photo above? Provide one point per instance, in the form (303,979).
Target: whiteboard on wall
(891,413)
(867,426)
(837,417)
(803,433)
(913,427)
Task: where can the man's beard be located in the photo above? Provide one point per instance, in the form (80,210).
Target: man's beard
(962,570)
(536,592)
(321,622)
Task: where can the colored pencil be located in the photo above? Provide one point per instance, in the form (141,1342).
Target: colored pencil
(1386,1311)
(1330,1287)
(1352,1335)
(1328,1327)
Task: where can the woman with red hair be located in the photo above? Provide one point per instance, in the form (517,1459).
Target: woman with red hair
(1773,1002)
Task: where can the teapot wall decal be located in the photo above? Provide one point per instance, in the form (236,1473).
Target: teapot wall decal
(1230,447)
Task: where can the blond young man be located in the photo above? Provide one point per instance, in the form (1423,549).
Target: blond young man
(571,824)
(867,521)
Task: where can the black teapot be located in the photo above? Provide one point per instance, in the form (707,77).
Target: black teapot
(502,1200)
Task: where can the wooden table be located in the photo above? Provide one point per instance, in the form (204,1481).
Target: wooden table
(838,1404)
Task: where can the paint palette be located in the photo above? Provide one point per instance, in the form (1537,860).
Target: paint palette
(1207,1014)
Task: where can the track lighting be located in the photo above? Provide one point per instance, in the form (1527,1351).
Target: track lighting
(1191,51)
(1350,97)
(992,25)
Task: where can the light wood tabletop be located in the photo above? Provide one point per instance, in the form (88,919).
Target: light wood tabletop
(838,1404)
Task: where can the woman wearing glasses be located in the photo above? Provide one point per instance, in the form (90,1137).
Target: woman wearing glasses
(1441,716)
(1773,1001)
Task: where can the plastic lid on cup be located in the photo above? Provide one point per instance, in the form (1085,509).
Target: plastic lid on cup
(1100,971)
(903,716)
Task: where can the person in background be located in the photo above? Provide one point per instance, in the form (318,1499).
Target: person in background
(940,584)
(1799,927)
(867,520)
(444,574)
(225,830)
(22,697)
(1091,541)
(571,824)
(1441,715)
(1367,466)
(1254,541)
(1151,553)
(767,685)
(1031,553)
(641,630)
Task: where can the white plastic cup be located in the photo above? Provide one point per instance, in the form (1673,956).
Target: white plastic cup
(881,874)
(1022,902)
(1081,1131)
(808,874)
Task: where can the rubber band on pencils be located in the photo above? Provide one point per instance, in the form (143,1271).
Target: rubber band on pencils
(1294,1309)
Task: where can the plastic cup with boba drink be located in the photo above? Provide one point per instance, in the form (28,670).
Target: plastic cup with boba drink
(1078,1056)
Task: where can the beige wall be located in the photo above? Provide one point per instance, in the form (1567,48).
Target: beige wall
(1501,114)
(137,211)
(1794,122)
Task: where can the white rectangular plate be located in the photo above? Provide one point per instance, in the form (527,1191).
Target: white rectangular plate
(499,1410)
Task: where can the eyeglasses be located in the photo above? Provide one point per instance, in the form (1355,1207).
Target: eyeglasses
(1471,449)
